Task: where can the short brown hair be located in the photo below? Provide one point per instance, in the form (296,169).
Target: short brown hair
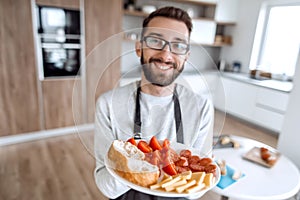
(170,12)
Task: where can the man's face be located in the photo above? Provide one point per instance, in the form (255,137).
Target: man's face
(162,67)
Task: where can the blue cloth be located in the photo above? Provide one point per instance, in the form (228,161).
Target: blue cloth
(226,180)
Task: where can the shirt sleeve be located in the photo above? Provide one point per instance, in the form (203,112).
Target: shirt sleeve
(103,137)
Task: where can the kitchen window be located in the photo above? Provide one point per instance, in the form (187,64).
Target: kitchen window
(277,38)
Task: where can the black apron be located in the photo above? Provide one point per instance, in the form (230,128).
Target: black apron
(136,195)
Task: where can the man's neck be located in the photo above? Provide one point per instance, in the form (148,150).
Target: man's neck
(156,90)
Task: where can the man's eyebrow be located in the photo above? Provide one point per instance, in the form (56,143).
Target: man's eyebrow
(177,39)
(155,34)
(180,40)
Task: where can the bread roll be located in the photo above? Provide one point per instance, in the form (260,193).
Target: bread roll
(128,162)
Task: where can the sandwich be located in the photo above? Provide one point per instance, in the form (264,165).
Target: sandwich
(129,163)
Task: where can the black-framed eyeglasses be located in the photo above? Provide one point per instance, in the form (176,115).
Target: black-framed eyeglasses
(156,43)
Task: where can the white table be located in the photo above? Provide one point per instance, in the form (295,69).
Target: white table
(282,181)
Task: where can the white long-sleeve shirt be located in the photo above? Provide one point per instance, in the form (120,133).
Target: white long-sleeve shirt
(114,119)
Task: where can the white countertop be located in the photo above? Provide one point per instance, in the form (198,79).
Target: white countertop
(284,86)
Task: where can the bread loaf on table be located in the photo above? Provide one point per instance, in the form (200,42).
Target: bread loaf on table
(128,162)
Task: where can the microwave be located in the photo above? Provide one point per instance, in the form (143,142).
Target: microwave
(52,20)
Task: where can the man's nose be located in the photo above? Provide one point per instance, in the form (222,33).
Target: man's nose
(166,53)
(167,48)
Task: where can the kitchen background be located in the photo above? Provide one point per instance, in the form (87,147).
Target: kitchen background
(35,105)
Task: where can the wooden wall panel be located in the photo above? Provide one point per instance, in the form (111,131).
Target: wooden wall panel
(73,4)
(103,19)
(59,96)
(19,102)
(19,111)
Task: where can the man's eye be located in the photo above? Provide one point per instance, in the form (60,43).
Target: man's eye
(154,41)
(181,46)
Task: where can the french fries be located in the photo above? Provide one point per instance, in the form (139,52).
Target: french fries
(187,182)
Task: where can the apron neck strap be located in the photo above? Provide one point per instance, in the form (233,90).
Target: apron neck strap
(177,115)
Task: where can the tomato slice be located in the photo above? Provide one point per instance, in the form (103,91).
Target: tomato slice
(166,143)
(132,141)
(154,144)
(144,147)
(170,169)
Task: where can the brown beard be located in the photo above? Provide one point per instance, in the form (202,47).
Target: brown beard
(160,80)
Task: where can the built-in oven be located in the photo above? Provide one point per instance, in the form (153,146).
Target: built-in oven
(60,59)
(59,41)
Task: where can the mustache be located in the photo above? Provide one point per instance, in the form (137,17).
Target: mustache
(159,60)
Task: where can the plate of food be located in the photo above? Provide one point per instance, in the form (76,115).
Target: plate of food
(161,168)
(262,155)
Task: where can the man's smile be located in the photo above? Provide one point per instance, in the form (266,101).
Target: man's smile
(162,65)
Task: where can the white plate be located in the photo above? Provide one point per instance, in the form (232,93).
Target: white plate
(177,147)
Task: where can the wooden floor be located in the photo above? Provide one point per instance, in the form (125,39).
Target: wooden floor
(61,168)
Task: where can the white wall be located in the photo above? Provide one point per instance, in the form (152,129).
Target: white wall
(243,34)
(289,140)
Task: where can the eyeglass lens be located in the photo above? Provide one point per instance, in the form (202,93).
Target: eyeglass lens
(159,44)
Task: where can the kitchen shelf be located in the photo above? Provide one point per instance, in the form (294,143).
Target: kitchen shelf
(212,45)
(196,2)
(135,13)
(205,20)
(226,23)
(143,14)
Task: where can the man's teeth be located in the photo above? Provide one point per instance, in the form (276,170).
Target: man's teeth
(164,67)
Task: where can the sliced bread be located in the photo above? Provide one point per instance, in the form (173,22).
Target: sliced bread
(128,161)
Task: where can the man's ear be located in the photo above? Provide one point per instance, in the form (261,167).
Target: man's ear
(187,56)
(138,48)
